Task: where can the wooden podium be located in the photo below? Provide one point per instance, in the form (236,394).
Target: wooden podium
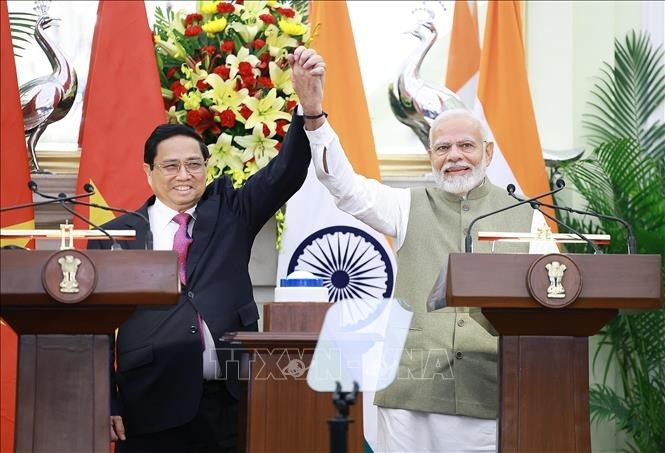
(278,410)
(65,306)
(543,344)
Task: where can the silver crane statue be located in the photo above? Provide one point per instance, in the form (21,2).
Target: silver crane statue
(413,101)
(48,98)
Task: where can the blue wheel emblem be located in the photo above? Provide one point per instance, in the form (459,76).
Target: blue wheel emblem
(352,263)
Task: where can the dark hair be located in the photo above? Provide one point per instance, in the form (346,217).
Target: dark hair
(166,131)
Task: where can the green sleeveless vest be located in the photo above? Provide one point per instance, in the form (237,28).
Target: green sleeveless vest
(449,362)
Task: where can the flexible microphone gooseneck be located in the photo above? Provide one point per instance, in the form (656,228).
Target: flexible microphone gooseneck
(536,205)
(468,248)
(631,242)
(62,200)
(90,189)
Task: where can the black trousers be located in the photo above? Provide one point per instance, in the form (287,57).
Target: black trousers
(213,430)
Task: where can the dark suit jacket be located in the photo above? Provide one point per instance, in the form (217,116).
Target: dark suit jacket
(159,354)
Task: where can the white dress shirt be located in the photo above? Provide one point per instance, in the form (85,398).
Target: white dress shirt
(163,231)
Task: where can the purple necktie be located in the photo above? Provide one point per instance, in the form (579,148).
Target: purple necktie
(181,243)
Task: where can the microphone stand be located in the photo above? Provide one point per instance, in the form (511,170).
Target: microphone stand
(468,245)
(339,425)
(632,243)
(536,205)
(62,199)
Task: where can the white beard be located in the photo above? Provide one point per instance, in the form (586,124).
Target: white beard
(463,184)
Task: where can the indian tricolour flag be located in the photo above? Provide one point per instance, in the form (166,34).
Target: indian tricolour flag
(353,260)
(493,83)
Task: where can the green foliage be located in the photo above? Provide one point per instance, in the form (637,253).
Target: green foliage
(22,29)
(624,176)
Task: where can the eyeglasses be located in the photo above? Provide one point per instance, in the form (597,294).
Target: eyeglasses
(193,167)
(466,146)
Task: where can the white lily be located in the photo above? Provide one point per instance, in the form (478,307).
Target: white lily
(232,61)
(262,148)
(192,76)
(223,154)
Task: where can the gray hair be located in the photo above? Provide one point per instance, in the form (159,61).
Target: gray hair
(457,113)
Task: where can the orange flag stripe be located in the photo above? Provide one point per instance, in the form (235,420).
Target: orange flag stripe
(503,90)
(344,97)
(464,54)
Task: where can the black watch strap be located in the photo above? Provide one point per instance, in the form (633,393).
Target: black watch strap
(314,117)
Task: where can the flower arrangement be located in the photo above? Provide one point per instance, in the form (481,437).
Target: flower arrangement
(224,71)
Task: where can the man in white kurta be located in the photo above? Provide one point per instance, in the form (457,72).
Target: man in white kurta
(445,395)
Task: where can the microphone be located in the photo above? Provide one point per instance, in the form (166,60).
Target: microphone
(35,189)
(89,188)
(537,204)
(511,189)
(49,199)
(632,243)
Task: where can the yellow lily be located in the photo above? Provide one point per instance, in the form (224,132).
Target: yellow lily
(192,76)
(170,47)
(278,41)
(224,94)
(192,100)
(262,148)
(246,31)
(281,79)
(266,110)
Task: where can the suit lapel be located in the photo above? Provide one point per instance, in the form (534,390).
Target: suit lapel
(137,224)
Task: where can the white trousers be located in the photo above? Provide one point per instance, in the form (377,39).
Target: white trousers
(405,431)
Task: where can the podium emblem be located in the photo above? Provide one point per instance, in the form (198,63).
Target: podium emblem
(554,280)
(555,272)
(69,265)
(69,276)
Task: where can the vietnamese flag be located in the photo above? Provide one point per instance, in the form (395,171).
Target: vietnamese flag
(14,176)
(122,105)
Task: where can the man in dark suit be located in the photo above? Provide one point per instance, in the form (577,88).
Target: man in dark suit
(175,392)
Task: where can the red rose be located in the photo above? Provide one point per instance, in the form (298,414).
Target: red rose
(193,18)
(193,118)
(210,50)
(207,122)
(227,46)
(258,43)
(245,69)
(222,71)
(171,72)
(266,130)
(245,111)
(265,82)
(225,8)
(227,118)
(267,18)
(193,30)
(202,85)
(265,57)
(240,2)
(279,130)
(278,146)
(290,105)
(178,89)
(287,12)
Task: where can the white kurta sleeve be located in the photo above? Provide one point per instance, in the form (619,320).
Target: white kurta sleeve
(384,208)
